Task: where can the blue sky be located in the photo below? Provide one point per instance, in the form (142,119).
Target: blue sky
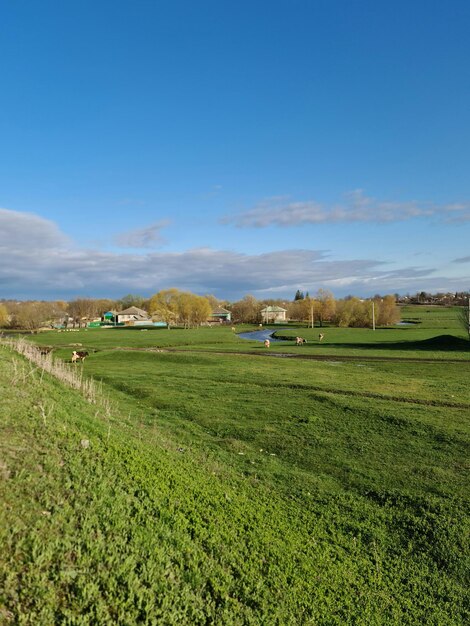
(234,147)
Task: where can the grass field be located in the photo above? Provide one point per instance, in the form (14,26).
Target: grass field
(435,334)
(225,488)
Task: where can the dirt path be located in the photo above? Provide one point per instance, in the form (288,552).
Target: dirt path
(317,357)
(290,355)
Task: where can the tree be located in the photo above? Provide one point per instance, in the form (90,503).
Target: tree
(298,295)
(301,310)
(201,309)
(464,318)
(327,305)
(213,301)
(33,315)
(387,312)
(131,300)
(4,317)
(352,312)
(247,310)
(173,306)
(164,306)
(82,309)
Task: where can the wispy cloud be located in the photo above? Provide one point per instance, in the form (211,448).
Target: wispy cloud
(147,237)
(462,259)
(356,207)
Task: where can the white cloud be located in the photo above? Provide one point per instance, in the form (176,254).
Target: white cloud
(357,207)
(36,260)
(26,231)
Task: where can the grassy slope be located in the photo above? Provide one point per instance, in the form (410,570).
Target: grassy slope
(340,509)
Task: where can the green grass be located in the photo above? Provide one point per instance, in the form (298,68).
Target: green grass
(233,489)
(432,316)
(436,335)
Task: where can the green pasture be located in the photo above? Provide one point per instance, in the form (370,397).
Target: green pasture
(423,340)
(227,487)
(428,316)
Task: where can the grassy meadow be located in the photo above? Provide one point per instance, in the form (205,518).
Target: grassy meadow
(228,488)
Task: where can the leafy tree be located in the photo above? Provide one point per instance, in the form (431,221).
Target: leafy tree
(201,309)
(349,312)
(173,306)
(193,310)
(164,306)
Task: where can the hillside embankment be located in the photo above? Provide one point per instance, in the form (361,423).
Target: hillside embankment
(116,518)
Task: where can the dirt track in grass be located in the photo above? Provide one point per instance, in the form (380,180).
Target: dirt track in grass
(290,355)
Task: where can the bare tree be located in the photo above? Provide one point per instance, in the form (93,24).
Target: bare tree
(248,310)
(326,305)
(33,315)
(464,318)
(81,310)
(4,316)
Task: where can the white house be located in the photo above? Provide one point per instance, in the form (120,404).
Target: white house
(274,315)
(133,314)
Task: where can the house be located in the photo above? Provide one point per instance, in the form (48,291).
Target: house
(109,317)
(132,315)
(273,315)
(220,315)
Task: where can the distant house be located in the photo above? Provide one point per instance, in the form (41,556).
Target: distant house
(220,315)
(273,315)
(109,317)
(132,315)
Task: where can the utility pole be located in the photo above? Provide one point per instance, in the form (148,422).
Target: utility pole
(468,318)
(373,315)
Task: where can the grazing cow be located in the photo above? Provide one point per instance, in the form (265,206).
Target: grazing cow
(299,341)
(79,356)
(320,337)
(267,343)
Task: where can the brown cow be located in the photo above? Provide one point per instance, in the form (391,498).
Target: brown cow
(79,356)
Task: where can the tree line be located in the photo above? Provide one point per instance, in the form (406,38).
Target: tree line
(322,308)
(186,309)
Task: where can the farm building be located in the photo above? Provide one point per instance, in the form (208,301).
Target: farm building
(220,315)
(132,315)
(274,315)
